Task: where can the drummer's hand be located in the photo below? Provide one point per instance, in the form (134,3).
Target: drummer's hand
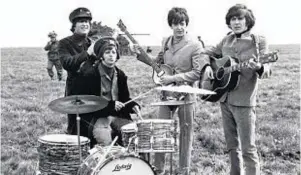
(118,105)
(166,79)
(209,72)
(137,117)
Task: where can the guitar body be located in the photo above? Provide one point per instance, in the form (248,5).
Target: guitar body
(222,81)
(166,68)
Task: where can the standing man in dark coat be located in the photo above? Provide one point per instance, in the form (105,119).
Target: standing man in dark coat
(74,50)
(53,57)
(84,78)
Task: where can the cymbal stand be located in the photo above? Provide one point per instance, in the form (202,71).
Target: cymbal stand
(172,112)
(77,102)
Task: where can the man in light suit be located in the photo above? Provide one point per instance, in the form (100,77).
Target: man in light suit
(238,105)
(182,54)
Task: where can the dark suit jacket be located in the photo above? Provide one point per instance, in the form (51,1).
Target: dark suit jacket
(84,79)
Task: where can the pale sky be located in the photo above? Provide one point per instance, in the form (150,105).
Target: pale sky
(26,23)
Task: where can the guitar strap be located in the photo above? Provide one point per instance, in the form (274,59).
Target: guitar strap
(165,48)
(255,39)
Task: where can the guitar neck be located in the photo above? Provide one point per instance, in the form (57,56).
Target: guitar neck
(264,59)
(143,53)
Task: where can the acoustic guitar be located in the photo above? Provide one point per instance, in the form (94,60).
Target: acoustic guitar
(226,74)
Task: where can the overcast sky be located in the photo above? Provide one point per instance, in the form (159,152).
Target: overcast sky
(26,23)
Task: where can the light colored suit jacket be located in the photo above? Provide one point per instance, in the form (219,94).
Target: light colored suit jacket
(243,49)
(185,58)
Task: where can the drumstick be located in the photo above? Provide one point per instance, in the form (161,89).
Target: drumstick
(140,116)
(139,96)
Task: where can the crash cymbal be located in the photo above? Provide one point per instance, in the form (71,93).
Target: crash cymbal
(185,89)
(171,103)
(78,104)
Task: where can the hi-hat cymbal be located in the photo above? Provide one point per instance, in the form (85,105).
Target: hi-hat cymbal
(185,89)
(78,104)
(171,103)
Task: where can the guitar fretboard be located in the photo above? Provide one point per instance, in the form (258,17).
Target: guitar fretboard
(267,58)
(144,54)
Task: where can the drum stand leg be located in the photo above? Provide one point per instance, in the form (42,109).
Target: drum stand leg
(78,137)
(171,154)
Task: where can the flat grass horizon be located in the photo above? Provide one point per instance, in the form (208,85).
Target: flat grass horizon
(26,91)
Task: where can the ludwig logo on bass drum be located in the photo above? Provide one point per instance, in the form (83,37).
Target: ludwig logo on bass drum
(123,166)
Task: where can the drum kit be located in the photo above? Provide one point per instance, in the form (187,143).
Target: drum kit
(64,154)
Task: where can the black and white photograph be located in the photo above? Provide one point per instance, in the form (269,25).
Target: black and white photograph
(150,87)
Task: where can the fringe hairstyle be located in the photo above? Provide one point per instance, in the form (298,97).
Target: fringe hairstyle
(177,15)
(241,10)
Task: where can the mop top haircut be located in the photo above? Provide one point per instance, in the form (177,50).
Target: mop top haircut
(240,10)
(176,15)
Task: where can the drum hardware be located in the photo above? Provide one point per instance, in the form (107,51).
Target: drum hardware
(174,104)
(78,104)
(185,89)
(114,160)
(171,103)
(58,153)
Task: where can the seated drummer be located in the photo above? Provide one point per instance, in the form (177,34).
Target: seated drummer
(114,88)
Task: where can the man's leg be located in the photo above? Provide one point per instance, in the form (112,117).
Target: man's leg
(246,117)
(102,131)
(231,136)
(186,115)
(59,69)
(49,69)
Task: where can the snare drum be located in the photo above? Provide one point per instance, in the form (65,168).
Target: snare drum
(116,162)
(59,153)
(128,133)
(155,135)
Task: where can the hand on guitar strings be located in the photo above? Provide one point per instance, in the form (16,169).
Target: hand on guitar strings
(166,79)
(253,64)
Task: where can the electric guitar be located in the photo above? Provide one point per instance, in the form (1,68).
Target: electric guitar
(226,75)
(158,69)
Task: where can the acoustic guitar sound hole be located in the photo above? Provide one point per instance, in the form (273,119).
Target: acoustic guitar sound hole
(220,73)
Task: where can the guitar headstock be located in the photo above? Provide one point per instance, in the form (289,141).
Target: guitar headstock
(269,57)
(121,26)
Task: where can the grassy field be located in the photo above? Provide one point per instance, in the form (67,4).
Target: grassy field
(26,90)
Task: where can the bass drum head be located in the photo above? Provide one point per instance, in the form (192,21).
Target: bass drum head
(124,165)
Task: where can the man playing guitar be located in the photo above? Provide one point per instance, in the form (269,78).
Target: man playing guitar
(182,54)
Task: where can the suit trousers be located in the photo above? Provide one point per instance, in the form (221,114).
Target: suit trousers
(239,131)
(186,115)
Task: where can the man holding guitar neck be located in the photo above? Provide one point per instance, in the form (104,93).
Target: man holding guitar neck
(182,54)
(238,105)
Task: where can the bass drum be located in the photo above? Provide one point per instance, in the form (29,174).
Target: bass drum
(115,163)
